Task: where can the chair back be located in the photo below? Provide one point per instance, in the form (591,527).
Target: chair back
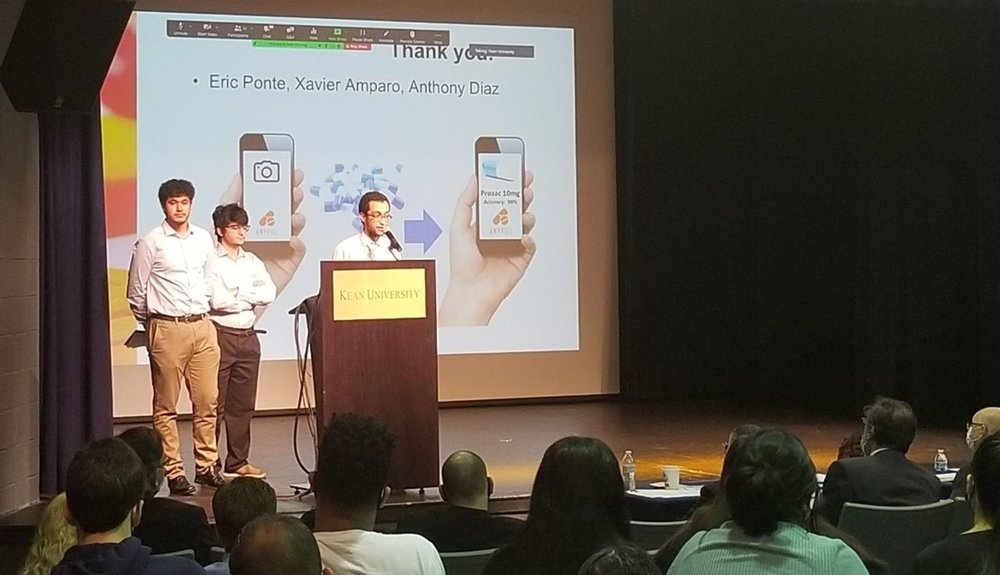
(466,562)
(897,534)
(650,535)
(961,519)
(183,553)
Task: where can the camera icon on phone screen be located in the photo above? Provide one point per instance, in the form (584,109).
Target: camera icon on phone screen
(266,171)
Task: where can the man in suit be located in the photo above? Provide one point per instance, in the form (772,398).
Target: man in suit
(465,524)
(167,525)
(884,476)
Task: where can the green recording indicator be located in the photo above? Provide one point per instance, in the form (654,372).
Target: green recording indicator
(303,44)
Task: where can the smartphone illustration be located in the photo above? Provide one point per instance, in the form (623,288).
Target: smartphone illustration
(266,163)
(500,205)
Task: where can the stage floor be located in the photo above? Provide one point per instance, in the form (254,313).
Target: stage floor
(512,440)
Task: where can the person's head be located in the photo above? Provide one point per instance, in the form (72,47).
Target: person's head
(621,559)
(739,433)
(984,481)
(237,503)
(176,197)
(888,423)
(577,504)
(104,486)
(464,481)
(373,209)
(771,479)
(231,224)
(275,545)
(53,536)
(984,422)
(145,442)
(353,464)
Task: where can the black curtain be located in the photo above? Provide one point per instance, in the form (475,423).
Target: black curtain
(809,203)
(75,347)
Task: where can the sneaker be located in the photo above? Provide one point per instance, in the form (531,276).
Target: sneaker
(246,470)
(180,486)
(210,478)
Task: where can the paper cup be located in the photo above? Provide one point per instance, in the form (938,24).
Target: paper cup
(671,476)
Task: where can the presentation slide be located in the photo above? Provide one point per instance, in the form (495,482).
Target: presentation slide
(469,130)
(488,127)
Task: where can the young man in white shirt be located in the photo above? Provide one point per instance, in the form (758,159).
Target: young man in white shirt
(168,293)
(374,241)
(240,286)
(351,473)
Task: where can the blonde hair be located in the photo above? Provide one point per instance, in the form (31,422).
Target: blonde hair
(53,536)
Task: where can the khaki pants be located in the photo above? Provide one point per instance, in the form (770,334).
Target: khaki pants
(189,353)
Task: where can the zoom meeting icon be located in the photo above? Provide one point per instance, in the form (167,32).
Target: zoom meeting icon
(266,171)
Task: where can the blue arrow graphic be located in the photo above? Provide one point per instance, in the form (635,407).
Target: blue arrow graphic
(424,231)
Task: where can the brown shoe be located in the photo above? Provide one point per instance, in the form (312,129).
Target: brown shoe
(246,470)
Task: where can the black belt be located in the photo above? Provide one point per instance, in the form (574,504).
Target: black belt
(178,318)
(235,330)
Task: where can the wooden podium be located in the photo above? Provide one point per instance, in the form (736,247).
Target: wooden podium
(375,352)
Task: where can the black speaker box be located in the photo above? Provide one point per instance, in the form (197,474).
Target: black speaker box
(60,53)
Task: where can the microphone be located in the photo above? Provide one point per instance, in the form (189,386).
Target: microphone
(393,243)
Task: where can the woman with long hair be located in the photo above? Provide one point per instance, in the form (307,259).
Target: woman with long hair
(577,508)
(53,536)
(768,487)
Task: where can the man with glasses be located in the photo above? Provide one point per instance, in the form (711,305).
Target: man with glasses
(372,243)
(884,476)
(240,287)
(984,423)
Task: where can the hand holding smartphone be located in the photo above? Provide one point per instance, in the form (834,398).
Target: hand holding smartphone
(500,199)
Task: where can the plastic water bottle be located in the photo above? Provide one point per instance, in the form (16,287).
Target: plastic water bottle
(628,470)
(940,462)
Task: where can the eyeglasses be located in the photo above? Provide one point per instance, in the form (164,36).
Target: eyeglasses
(380,217)
(237,227)
(975,425)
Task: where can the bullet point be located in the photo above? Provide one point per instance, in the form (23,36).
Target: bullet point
(196,80)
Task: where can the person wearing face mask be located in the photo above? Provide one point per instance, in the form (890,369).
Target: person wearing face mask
(884,476)
(983,424)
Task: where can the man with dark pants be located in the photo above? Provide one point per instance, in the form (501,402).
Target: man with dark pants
(240,285)
(168,293)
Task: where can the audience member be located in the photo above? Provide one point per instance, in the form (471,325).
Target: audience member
(53,536)
(710,515)
(351,475)
(851,446)
(466,524)
(104,486)
(167,525)
(275,545)
(623,559)
(768,488)
(577,508)
(966,554)
(234,505)
(710,491)
(984,423)
(884,476)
